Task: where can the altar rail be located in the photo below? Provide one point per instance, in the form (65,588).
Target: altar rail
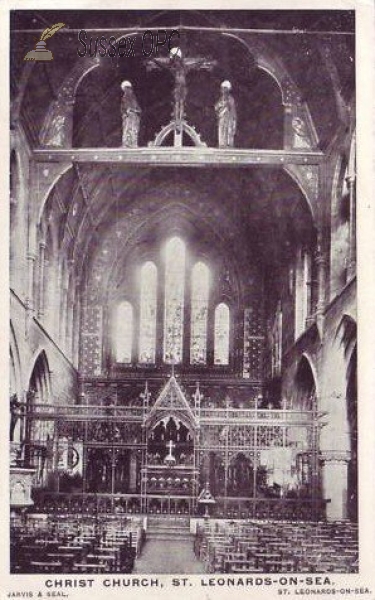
(296,509)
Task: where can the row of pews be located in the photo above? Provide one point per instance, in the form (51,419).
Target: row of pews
(275,547)
(72,545)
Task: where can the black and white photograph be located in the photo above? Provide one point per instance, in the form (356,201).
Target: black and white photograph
(183,297)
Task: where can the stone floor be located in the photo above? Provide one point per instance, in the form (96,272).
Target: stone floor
(169,557)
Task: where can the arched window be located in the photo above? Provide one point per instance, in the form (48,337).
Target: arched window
(147,327)
(221,349)
(174,300)
(199,309)
(123,332)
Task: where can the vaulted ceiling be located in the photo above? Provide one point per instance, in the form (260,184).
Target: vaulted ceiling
(257,213)
(102,213)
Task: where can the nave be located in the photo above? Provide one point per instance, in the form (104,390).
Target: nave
(175,545)
(183,326)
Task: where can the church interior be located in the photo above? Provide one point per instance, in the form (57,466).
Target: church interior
(183,338)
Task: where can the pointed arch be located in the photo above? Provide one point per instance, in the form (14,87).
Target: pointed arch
(40,380)
(305,385)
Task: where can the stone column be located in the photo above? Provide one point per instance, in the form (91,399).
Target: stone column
(31,258)
(320,269)
(30,300)
(76,325)
(353,228)
(42,249)
(335,483)
(69,327)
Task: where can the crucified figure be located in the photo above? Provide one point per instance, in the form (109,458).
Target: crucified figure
(180,67)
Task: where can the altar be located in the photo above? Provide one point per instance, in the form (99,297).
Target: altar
(170,476)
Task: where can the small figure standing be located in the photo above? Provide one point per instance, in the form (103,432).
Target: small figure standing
(225,109)
(131,116)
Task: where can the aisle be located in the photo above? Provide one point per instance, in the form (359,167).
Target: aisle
(168,556)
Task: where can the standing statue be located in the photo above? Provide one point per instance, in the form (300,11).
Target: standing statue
(15,414)
(131,116)
(225,109)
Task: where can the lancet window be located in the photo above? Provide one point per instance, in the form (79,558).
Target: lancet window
(222,324)
(147,328)
(199,311)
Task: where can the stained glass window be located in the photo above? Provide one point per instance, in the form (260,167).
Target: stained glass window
(174,300)
(123,332)
(199,308)
(221,353)
(147,331)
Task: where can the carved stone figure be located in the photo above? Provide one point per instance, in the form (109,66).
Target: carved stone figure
(226,113)
(131,116)
(15,414)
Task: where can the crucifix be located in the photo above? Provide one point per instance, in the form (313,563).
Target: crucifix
(180,67)
(170,447)
(170,459)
